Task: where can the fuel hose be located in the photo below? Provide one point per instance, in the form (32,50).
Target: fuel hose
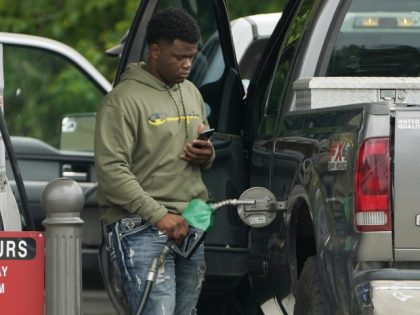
(157,262)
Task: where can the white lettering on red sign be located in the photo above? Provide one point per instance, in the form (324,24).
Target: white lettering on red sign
(13,249)
(22,272)
(3,271)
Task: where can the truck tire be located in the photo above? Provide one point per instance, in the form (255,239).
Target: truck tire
(310,294)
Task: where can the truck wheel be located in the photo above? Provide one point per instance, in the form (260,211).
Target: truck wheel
(310,294)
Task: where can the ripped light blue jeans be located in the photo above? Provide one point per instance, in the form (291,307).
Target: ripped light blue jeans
(133,244)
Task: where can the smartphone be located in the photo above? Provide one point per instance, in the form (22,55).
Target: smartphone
(205,135)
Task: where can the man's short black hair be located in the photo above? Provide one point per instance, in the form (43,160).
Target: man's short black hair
(171,24)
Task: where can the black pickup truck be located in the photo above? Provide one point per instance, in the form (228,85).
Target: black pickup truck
(328,128)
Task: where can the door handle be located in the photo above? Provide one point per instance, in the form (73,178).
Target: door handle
(76,173)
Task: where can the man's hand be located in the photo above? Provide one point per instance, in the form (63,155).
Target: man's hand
(199,151)
(200,154)
(174,226)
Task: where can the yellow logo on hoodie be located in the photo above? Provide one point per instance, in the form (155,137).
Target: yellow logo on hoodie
(157,119)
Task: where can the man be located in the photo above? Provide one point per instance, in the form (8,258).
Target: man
(149,168)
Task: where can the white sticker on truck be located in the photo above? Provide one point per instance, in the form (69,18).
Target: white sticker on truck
(418,220)
(337,159)
(257,220)
(408,123)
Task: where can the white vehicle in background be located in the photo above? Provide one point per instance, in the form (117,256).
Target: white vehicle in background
(250,35)
(50,94)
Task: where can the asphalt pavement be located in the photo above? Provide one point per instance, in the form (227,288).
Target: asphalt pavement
(96,302)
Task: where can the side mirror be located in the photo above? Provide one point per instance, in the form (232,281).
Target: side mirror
(77,132)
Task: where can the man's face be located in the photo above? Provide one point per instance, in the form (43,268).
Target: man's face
(173,60)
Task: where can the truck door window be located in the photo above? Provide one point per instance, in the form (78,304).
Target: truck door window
(42,88)
(378,38)
(280,79)
(209,64)
(249,62)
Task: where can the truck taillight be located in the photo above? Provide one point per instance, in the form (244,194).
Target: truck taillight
(372,186)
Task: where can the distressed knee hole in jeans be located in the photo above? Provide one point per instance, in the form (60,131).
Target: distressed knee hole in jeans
(161,276)
(201,270)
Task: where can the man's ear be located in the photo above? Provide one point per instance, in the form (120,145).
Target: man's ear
(154,51)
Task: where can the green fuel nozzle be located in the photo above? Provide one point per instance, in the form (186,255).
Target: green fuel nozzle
(199,216)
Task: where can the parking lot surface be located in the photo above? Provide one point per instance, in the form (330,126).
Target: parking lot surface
(96,302)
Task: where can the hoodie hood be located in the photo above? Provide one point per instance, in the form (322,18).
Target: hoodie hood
(136,71)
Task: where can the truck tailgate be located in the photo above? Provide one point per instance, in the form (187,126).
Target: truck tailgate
(407,183)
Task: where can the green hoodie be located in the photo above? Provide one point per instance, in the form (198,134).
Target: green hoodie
(139,136)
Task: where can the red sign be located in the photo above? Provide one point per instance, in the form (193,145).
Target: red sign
(22,273)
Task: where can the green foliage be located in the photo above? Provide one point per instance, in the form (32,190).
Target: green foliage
(238,8)
(90,27)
